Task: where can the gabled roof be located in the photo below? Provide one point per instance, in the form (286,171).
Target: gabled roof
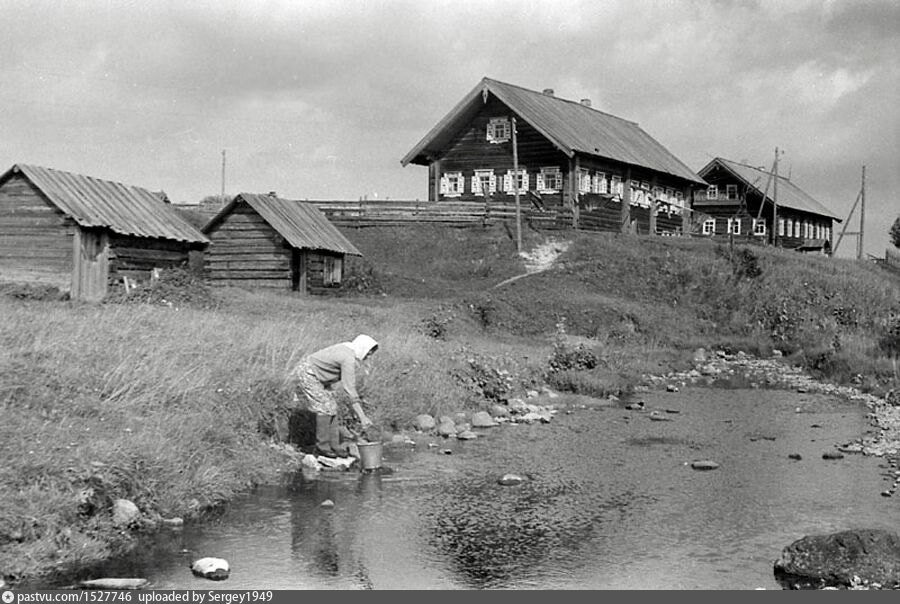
(123,209)
(789,194)
(301,224)
(571,126)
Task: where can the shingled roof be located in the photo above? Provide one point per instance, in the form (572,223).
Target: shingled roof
(571,126)
(301,224)
(92,202)
(789,195)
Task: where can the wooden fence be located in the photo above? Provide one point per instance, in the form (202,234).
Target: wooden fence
(892,258)
(606,217)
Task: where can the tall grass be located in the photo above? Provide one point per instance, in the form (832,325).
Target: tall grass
(166,407)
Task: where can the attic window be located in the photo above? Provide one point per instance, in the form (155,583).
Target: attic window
(731,191)
(498,130)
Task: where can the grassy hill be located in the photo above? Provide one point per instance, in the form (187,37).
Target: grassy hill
(167,397)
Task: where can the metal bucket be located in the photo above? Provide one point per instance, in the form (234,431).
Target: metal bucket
(369,455)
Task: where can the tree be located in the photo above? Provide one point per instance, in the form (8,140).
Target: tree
(895,233)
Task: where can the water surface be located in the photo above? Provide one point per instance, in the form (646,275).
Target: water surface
(610,503)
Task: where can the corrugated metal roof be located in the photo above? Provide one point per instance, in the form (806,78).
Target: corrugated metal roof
(302,224)
(123,209)
(570,125)
(789,194)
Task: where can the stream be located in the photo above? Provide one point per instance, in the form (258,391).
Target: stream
(610,502)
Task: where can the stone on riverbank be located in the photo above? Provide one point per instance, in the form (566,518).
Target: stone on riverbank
(113,583)
(656,416)
(833,560)
(446,427)
(124,512)
(215,569)
(499,411)
(466,435)
(483,419)
(424,423)
(832,455)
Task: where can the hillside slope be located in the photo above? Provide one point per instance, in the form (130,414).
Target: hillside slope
(834,316)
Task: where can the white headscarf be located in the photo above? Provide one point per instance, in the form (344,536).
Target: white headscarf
(362,345)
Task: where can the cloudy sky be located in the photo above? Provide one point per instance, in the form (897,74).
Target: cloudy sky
(320,99)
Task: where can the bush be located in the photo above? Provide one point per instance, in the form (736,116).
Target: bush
(566,357)
(889,342)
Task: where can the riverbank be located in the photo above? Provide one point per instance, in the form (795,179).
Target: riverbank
(774,372)
(166,399)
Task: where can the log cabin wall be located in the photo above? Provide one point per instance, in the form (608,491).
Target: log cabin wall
(316,261)
(136,257)
(246,251)
(470,150)
(36,239)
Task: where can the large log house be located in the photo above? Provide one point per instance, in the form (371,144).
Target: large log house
(569,155)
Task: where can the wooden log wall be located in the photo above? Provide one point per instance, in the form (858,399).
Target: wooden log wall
(36,239)
(136,257)
(246,251)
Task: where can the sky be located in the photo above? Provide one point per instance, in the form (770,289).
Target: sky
(321,99)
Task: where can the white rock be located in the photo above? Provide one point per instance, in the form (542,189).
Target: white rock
(216,569)
(310,461)
(125,512)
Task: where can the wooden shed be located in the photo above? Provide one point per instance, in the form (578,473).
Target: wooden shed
(266,241)
(80,233)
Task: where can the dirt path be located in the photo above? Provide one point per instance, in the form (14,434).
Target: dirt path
(539,259)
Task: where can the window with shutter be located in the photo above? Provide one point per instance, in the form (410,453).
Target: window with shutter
(484,181)
(452,184)
(549,180)
(521,181)
(498,130)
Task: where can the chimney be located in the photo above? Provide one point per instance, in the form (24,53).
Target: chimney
(548,91)
(586,102)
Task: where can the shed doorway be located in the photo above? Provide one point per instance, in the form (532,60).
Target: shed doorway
(298,270)
(90,269)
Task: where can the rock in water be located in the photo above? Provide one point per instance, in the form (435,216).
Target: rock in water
(832,560)
(216,569)
(508,480)
(704,464)
(114,583)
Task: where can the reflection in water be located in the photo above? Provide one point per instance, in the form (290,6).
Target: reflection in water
(324,538)
(493,533)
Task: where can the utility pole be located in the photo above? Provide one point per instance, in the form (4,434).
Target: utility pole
(775,201)
(515,183)
(860,197)
(223,178)
(862,216)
